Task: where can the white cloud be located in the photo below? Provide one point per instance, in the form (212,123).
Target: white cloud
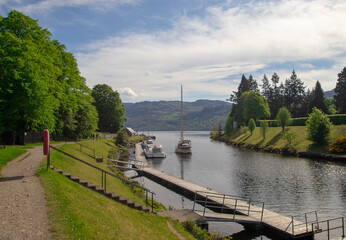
(202,52)
(127,92)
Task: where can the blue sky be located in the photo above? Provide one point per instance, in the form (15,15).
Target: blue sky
(145,49)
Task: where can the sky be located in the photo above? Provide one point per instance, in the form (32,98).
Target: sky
(147,49)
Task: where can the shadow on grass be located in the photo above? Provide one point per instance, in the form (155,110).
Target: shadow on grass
(275,139)
(318,148)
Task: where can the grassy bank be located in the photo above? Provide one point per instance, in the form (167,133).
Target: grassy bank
(76,212)
(10,153)
(276,140)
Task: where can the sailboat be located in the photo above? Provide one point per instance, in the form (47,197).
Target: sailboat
(183,146)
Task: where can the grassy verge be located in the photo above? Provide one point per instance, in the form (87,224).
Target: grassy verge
(10,153)
(275,139)
(76,212)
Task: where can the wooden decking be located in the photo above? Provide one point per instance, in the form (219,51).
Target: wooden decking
(282,225)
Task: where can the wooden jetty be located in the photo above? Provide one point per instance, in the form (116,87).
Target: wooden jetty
(215,206)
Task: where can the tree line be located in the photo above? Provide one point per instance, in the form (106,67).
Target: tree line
(249,102)
(41,86)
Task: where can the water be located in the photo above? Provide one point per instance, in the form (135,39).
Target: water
(286,185)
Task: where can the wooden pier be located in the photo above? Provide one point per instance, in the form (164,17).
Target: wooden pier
(215,206)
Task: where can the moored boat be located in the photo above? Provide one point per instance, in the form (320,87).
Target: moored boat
(154,151)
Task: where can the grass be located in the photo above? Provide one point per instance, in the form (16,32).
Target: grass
(10,153)
(275,139)
(76,212)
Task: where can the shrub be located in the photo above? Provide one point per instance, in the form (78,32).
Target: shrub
(283,117)
(318,126)
(339,146)
(251,125)
(264,128)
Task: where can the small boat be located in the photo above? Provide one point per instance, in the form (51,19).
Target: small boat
(154,151)
(183,146)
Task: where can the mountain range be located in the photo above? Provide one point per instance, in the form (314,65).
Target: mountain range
(165,115)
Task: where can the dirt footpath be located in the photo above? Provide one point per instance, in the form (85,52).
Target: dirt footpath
(23,210)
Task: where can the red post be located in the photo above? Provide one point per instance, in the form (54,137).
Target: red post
(46,145)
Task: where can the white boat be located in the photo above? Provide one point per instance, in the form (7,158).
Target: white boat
(154,151)
(183,146)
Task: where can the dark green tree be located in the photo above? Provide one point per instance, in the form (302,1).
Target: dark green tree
(283,118)
(317,99)
(294,94)
(264,128)
(276,101)
(340,92)
(109,107)
(318,126)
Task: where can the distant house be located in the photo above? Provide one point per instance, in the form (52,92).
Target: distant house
(130,132)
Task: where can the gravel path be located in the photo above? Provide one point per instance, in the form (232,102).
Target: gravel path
(23,210)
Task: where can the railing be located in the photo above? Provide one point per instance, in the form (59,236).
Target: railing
(104,174)
(303,221)
(330,226)
(139,164)
(225,203)
(81,149)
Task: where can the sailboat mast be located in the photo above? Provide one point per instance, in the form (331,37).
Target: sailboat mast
(181,115)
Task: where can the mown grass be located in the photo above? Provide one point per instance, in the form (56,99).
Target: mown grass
(76,212)
(10,153)
(275,139)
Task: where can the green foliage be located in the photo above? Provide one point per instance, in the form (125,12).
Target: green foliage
(294,94)
(229,124)
(330,103)
(289,137)
(121,139)
(110,108)
(339,146)
(340,92)
(251,125)
(40,84)
(264,128)
(255,106)
(10,153)
(317,99)
(283,117)
(318,126)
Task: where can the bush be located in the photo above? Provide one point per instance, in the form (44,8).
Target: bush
(318,126)
(122,139)
(264,128)
(251,125)
(283,117)
(339,146)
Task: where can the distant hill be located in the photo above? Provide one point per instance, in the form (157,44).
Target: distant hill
(329,94)
(165,115)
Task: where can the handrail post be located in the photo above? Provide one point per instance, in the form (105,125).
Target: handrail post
(328,230)
(343,227)
(248,212)
(235,208)
(152,202)
(262,212)
(223,203)
(146,198)
(318,225)
(194,201)
(292,225)
(205,204)
(306,223)
(105,181)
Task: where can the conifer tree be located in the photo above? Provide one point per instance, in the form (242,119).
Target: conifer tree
(340,92)
(317,99)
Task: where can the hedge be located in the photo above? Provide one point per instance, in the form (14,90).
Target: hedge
(337,119)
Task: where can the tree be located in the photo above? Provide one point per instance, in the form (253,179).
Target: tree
(340,92)
(317,99)
(318,126)
(283,117)
(294,94)
(330,103)
(255,106)
(244,86)
(264,128)
(229,124)
(251,125)
(109,107)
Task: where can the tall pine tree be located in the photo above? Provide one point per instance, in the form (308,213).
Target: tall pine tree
(317,99)
(340,92)
(294,94)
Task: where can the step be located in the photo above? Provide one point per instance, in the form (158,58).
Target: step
(108,194)
(83,182)
(99,189)
(75,179)
(58,170)
(91,186)
(67,175)
(115,197)
(130,204)
(122,200)
(51,167)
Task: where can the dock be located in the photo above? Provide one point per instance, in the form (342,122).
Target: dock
(215,206)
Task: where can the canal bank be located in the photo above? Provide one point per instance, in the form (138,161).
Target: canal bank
(287,185)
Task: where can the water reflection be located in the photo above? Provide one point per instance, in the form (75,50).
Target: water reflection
(289,186)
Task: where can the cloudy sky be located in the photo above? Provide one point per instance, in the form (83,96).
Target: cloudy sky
(145,49)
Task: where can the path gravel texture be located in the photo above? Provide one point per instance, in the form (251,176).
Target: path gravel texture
(23,210)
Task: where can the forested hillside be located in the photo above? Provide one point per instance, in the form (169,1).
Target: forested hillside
(165,115)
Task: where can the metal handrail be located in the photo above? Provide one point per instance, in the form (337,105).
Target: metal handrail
(328,227)
(208,201)
(104,172)
(306,222)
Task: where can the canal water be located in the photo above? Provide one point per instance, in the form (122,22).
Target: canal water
(287,185)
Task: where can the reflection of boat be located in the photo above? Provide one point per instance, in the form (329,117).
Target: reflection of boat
(154,151)
(183,146)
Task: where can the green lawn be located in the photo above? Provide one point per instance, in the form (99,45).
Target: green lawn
(10,153)
(76,212)
(275,139)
